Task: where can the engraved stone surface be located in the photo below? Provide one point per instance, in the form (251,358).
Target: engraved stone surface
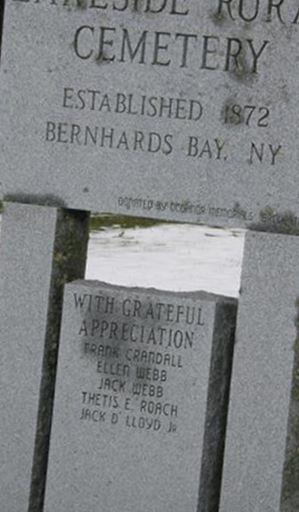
(140,401)
(261,467)
(36,258)
(175,109)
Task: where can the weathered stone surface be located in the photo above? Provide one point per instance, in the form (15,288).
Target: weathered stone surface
(261,468)
(140,401)
(41,248)
(188,113)
(1,20)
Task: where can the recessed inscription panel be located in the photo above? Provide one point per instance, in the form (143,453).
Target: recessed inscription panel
(131,400)
(176,109)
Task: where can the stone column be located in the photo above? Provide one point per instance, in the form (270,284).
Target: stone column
(261,465)
(41,249)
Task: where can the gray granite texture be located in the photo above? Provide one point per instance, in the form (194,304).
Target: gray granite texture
(41,248)
(175,109)
(140,401)
(261,466)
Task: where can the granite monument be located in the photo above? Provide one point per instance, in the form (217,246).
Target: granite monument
(141,400)
(173,109)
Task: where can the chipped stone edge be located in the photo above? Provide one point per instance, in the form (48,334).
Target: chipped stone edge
(290,483)
(217,406)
